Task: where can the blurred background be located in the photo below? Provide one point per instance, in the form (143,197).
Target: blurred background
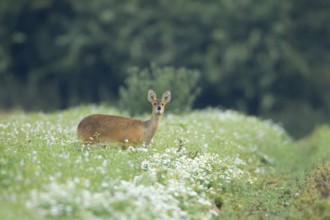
(265,58)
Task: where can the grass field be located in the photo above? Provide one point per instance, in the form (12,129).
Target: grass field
(208,164)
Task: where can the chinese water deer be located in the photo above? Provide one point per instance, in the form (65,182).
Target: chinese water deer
(98,128)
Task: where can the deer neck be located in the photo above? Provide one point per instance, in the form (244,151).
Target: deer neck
(152,126)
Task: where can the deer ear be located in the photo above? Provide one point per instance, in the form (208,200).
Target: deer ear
(167,96)
(151,95)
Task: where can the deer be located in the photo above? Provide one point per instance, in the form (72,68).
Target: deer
(112,129)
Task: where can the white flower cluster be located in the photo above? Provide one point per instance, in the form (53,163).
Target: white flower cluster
(120,200)
(195,176)
(200,171)
(174,183)
(38,132)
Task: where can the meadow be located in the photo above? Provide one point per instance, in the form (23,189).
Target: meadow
(207,164)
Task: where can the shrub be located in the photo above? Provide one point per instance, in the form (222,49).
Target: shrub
(182,83)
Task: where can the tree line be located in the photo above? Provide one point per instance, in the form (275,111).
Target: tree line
(266,58)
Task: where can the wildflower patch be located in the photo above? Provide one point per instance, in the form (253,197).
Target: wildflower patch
(228,167)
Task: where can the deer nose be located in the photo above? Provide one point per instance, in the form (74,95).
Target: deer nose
(159,108)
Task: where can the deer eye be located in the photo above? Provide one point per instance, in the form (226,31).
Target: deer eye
(155,103)
(162,104)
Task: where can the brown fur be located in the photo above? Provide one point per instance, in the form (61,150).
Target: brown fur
(98,128)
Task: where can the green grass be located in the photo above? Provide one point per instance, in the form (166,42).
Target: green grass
(207,164)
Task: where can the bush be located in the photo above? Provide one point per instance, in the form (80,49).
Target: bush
(182,83)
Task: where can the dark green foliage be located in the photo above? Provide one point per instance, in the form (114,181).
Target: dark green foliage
(268,58)
(181,82)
